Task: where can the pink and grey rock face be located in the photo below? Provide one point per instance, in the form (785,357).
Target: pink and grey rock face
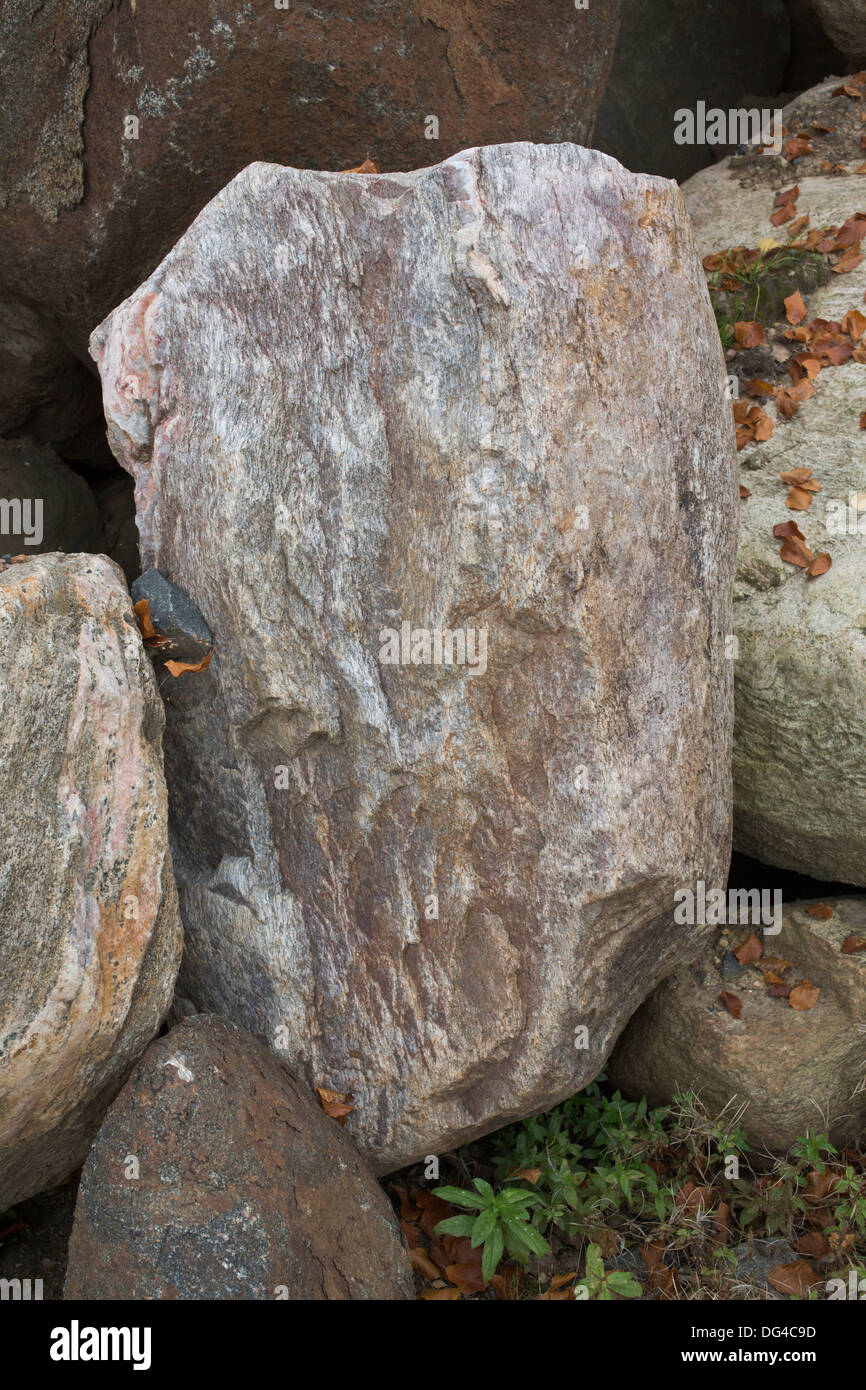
(119,122)
(788,1069)
(241,1187)
(486,400)
(89,930)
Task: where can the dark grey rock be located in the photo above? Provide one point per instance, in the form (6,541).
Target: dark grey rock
(243,1187)
(175,617)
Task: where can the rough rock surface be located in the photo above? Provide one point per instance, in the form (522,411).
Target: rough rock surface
(66,518)
(791,1069)
(89,932)
(89,203)
(440,399)
(672,56)
(184,634)
(244,1188)
(845,23)
(800,676)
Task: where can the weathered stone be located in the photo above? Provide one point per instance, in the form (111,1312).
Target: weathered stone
(89,933)
(44,505)
(845,23)
(800,676)
(243,1187)
(119,122)
(788,1070)
(449,399)
(670,57)
(184,632)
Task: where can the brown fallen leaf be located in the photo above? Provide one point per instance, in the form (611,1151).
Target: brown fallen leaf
(337,1104)
(851,944)
(795,307)
(863,421)
(748,334)
(722,1222)
(854,324)
(771,978)
(803,996)
(763,428)
(796,476)
(142,613)
(422,1264)
(177,668)
(749,950)
(794,552)
(744,491)
(820,910)
(851,233)
(798,500)
(803,364)
(795,1278)
(849,261)
(814,1245)
(820,1185)
(783,214)
(787,528)
(528,1174)
(796,148)
(819,565)
(467,1277)
(437,1295)
(368,167)
(790,398)
(732,1003)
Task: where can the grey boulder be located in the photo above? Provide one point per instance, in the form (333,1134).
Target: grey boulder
(215,1176)
(415,444)
(90,934)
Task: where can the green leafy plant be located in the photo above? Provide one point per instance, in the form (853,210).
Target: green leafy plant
(501,1223)
(604,1285)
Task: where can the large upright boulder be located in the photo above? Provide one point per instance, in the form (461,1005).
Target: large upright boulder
(241,1186)
(119,122)
(89,931)
(444,460)
(800,673)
